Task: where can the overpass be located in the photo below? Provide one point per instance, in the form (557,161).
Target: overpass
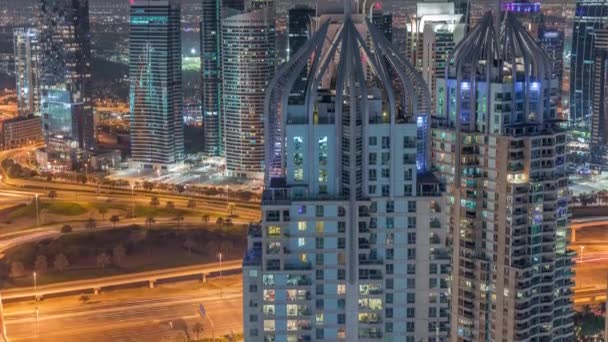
(586,223)
(149,277)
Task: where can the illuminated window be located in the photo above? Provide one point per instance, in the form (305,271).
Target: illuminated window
(320,226)
(274,230)
(301,226)
(341,289)
(301,242)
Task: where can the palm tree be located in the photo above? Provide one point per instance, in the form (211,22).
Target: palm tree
(52,194)
(114,219)
(149,221)
(103,211)
(219,221)
(191,204)
(206,219)
(179,218)
(197,329)
(189,244)
(154,201)
(170,205)
(91,223)
(103,259)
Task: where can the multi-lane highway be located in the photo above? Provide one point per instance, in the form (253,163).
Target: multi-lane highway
(147,319)
(591,267)
(124,279)
(13,188)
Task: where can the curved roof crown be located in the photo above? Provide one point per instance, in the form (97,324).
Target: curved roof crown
(513,52)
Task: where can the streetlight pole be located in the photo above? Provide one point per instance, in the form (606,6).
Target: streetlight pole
(133,202)
(36,297)
(221,289)
(37,215)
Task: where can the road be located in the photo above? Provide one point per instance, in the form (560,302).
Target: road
(147,319)
(591,271)
(27,188)
(123,279)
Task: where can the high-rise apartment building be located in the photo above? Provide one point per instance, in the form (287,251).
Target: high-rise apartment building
(590,15)
(248,65)
(65,78)
(351,246)
(439,37)
(383,21)
(155,72)
(27,70)
(599,122)
(211,85)
(299,25)
(501,152)
(552,41)
(432,35)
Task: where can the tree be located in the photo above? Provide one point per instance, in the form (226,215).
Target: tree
(66,229)
(219,221)
(149,221)
(148,186)
(180,188)
(41,265)
(81,178)
(118,255)
(61,262)
(103,211)
(84,299)
(206,219)
(226,246)
(170,205)
(91,223)
(179,218)
(114,219)
(189,244)
(231,207)
(197,329)
(228,222)
(154,201)
(17,269)
(103,260)
(52,194)
(191,204)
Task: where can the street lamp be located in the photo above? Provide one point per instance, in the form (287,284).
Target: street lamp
(36,296)
(133,202)
(221,289)
(37,215)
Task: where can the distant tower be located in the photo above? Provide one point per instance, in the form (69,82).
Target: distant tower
(590,15)
(27,70)
(248,65)
(211,87)
(299,31)
(65,78)
(155,72)
(599,122)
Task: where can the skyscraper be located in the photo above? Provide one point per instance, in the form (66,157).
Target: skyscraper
(590,15)
(248,65)
(552,41)
(352,242)
(65,77)
(299,31)
(27,70)
(599,122)
(155,72)
(383,21)
(211,86)
(439,37)
(501,152)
